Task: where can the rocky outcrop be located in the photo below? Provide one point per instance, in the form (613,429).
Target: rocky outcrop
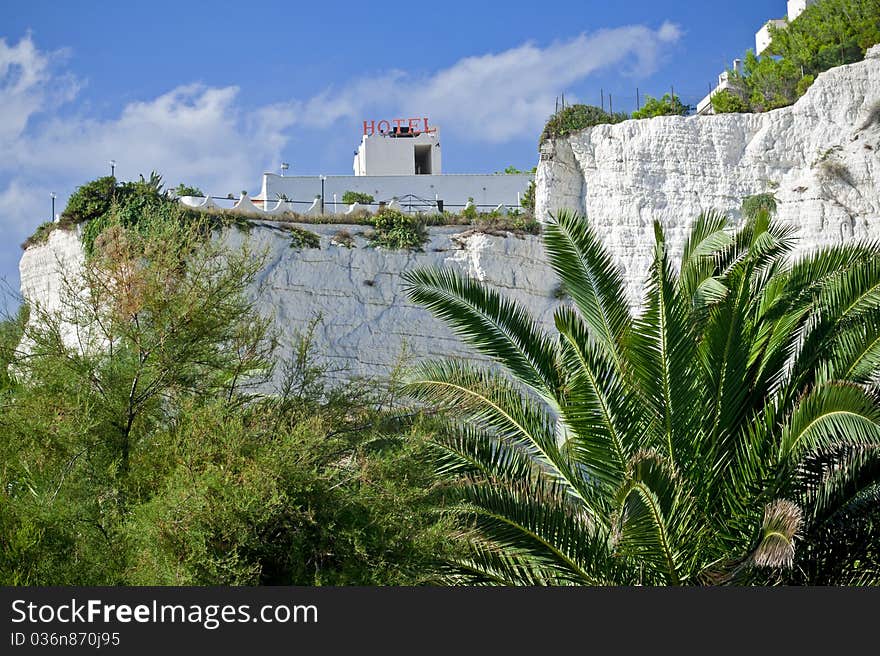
(367,325)
(819,157)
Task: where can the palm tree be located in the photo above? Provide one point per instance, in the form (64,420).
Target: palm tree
(729,433)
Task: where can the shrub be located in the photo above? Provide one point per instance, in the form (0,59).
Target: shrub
(344,238)
(352,197)
(728,102)
(301,238)
(470,212)
(186,190)
(805,83)
(873,117)
(91,200)
(396,230)
(668,105)
(827,34)
(753,205)
(41,234)
(528,198)
(833,169)
(578,117)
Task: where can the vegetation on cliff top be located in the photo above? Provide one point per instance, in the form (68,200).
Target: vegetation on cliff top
(100,202)
(827,34)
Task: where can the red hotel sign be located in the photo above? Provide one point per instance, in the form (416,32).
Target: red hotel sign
(415,125)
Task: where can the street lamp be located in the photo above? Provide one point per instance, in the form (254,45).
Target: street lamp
(323,177)
(112,168)
(284,167)
(53,195)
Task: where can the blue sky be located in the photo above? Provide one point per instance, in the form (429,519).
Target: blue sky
(213,94)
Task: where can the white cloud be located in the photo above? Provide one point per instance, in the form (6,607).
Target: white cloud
(26,87)
(499,96)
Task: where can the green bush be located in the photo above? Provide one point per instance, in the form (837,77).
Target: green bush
(754,205)
(827,34)
(91,200)
(301,238)
(668,105)
(528,198)
(186,190)
(470,212)
(578,117)
(728,102)
(156,459)
(804,83)
(396,230)
(352,197)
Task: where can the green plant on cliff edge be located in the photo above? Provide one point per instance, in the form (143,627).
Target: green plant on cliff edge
(668,105)
(155,456)
(827,34)
(396,230)
(577,117)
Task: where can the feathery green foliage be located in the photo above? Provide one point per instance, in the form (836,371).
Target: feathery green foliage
(724,434)
(138,444)
(577,117)
(827,34)
(668,105)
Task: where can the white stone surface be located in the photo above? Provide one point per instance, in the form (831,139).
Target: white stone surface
(368,325)
(43,268)
(818,157)
(623,176)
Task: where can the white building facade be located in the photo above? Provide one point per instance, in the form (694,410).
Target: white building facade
(398,162)
(403,150)
(413,193)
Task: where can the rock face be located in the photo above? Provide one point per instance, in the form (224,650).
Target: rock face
(819,157)
(367,325)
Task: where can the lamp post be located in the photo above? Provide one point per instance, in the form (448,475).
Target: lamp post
(323,177)
(112,168)
(284,167)
(53,204)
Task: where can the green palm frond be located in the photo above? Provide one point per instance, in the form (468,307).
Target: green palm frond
(829,416)
(591,278)
(536,523)
(646,507)
(496,327)
(662,352)
(698,272)
(494,404)
(830,480)
(598,408)
(729,433)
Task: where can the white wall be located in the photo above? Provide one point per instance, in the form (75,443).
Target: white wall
(383,155)
(487,190)
(797,7)
(819,157)
(763,38)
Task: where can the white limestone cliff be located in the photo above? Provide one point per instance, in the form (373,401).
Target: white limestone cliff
(819,157)
(368,326)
